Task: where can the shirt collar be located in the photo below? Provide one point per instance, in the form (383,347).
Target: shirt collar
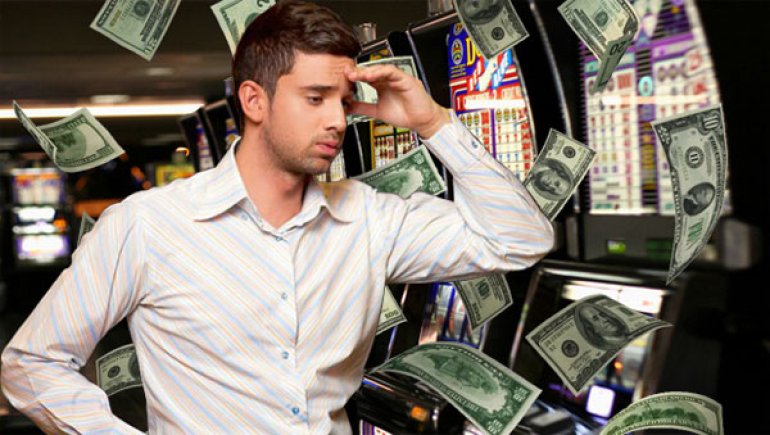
(223,188)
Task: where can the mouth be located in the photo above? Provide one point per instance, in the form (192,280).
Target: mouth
(329,147)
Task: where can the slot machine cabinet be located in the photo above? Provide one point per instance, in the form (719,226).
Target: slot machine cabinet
(684,357)
(222,122)
(198,139)
(681,59)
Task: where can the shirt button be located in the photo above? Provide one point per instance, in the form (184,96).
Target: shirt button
(285,355)
(278,238)
(284,296)
(295,410)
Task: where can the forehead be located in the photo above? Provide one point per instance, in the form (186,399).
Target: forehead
(324,69)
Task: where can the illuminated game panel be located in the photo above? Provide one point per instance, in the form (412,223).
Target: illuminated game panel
(489,98)
(388,142)
(666,72)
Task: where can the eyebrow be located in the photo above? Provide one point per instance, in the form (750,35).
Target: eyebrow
(323,89)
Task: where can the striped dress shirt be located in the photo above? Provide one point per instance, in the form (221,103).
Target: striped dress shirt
(240,327)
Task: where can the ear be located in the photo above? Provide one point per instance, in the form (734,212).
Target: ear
(254,101)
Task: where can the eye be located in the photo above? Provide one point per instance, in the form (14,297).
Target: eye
(315,100)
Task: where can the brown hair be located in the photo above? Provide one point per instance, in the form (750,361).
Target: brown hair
(266,49)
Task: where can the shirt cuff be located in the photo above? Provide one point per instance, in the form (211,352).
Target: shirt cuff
(455,146)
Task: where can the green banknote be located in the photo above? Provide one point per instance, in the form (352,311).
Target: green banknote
(493,25)
(607,27)
(391,313)
(137,25)
(118,370)
(578,341)
(75,143)
(696,149)
(413,172)
(491,396)
(560,167)
(234,16)
(484,298)
(367,94)
(671,410)
(86,224)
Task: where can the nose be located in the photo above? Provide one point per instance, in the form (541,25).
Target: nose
(336,118)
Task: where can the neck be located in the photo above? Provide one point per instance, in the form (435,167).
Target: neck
(277,194)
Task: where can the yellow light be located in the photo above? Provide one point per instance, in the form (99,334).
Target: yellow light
(419,413)
(183,150)
(111,111)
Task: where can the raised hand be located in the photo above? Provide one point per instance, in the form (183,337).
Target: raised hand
(402,100)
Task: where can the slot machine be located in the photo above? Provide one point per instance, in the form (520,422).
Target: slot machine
(198,140)
(498,100)
(619,242)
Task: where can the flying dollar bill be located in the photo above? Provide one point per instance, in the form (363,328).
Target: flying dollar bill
(607,27)
(365,93)
(696,149)
(560,167)
(490,395)
(137,25)
(118,370)
(671,410)
(391,313)
(493,25)
(484,298)
(413,172)
(578,341)
(86,224)
(234,16)
(75,143)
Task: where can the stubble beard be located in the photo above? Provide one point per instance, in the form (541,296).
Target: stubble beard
(300,164)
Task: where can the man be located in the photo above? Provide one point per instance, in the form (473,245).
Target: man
(552,180)
(252,292)
(600,327)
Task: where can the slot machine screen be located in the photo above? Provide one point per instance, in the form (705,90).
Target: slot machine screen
(626,375)
(445,318)
(41,248)
(490,98)
(37,186)
(666,71)
(387,141)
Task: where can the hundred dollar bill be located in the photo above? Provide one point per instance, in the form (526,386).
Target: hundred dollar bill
(578,341)
(234,16)
(671,410)
(484,298)
(365,93)
(118,370)
(413,172)
(493,25)
(75,143)
(86,224)
(560,167)
(490,395)
(607,27)
(696,149)
(390,313)
(137,25)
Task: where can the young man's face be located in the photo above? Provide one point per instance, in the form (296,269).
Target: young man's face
(306,122)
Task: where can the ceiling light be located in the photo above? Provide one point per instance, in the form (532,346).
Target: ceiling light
(111,111)
(159,71)
(110,99)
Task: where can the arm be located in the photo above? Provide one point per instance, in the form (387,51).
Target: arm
(492,226)
(40,365)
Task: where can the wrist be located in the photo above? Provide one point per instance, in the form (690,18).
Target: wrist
(440,118)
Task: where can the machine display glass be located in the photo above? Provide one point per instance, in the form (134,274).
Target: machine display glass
(489,97)
(667,71)
(445,318)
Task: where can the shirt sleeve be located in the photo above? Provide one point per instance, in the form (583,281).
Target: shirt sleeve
(493,225)
(40,365)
